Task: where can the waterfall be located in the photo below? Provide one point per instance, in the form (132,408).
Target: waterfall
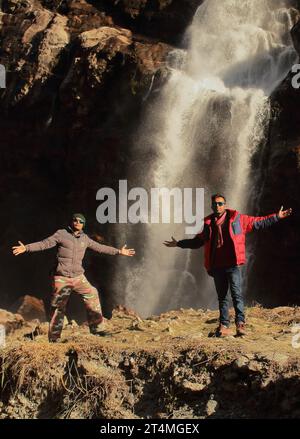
(201,131)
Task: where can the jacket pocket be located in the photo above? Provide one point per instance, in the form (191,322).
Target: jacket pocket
(236,226)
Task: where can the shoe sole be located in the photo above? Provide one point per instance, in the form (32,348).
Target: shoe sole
(102,334)
(223,335)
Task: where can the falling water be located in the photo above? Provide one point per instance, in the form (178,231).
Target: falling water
(202,130)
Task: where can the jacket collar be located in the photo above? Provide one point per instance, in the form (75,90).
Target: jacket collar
(232,215)
(70,230)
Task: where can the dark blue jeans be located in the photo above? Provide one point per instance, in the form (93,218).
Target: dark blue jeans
(224,278)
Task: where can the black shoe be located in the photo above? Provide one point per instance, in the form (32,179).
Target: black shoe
(102,333)
(54,340)
(31,335)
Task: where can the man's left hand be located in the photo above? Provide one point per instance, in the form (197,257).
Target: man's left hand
(284,213)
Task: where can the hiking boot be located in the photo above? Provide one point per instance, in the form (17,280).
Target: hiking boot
(223,331)
(99,327)
(101,333)
(240,329)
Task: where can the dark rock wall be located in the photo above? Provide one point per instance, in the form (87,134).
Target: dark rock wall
(78,73)
(274,269)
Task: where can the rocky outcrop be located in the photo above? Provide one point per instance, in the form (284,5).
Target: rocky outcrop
(277,180)
(97,55)
(30,308)
(78,74)
(44,41)
(161,19)
(32,55)
(10,321)
(151,372)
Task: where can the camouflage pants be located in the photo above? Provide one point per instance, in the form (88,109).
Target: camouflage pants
(62,289)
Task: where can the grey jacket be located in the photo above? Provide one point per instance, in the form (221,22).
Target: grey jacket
(70,250)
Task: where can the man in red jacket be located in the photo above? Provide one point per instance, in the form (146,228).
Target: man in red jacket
(223,237)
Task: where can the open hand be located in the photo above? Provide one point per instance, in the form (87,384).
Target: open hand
(284,213)
(126,251)
(172,243)
(19,249)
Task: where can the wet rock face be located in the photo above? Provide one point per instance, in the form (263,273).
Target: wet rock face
(165,20)
(273,277)
(41,46)
(77,80)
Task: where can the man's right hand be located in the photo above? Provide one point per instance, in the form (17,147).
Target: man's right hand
(172,243)
(19,249)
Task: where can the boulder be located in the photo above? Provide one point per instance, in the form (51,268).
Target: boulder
(30,308)
(123,312)
(211,407)
(10,321)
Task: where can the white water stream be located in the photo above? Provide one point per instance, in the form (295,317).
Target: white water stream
(201,131)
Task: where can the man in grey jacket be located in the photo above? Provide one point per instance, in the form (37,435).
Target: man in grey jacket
(69,276)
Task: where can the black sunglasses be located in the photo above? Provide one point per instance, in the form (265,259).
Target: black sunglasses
(218,203)
(77,220)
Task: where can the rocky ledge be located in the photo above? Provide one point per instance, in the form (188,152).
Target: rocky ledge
(167,366)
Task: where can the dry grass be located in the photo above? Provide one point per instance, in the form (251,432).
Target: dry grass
(112,377)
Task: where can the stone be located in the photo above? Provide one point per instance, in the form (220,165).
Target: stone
(112,363)
(30,308)
(211,407)
(132,361)
(126,362)
(136,326)
(254,366)
(169,330)
(241,362)
(192,387)
(123,312)
(157,338)
(106,38)
(10,321)
(277,357)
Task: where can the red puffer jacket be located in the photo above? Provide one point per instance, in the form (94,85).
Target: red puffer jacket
(239,225)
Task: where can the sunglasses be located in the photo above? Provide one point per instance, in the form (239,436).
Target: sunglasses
(77,220)
(218,203)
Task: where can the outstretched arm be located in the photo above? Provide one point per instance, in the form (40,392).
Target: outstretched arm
(262,222)
(106,249)
(47,243)
(193,243)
